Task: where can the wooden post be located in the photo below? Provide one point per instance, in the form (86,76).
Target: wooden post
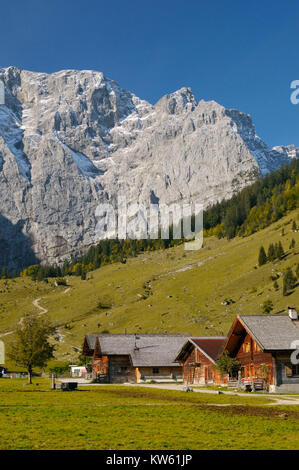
(53,386)
(239,380)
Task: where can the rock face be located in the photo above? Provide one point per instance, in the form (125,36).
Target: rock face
(74,139)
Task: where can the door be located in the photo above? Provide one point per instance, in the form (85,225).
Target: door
(191,375)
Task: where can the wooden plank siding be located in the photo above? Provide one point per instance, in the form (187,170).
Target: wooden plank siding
(118,369)
(159,373)
(252,357)
(199,370)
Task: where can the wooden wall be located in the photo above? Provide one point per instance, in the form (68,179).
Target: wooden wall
(146,373)
(199,370)
(100,365)
(118,369)
(252,357)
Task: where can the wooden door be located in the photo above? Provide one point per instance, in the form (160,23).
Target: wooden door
(191,375)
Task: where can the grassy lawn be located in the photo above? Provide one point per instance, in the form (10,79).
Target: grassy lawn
(123,417)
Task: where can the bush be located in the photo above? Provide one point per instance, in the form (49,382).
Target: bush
(227,364)
(61,281)
(267,306)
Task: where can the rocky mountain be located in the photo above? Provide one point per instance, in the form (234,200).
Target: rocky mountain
(73,139)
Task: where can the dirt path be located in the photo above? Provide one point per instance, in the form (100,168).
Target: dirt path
(42,309)
(6,334)
(188,266)
(36,304)
(278,399)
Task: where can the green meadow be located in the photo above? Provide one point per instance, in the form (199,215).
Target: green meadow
(129,417)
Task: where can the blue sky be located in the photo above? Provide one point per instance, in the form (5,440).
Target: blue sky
(243,54)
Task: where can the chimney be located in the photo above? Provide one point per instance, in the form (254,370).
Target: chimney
(293,314)
(136,347)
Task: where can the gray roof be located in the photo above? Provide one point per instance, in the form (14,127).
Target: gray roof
(152,350)
(272,332)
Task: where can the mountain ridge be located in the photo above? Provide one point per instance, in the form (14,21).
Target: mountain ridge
(74,139)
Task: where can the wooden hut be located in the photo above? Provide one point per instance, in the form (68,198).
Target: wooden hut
(134,358)
(198,357)
(266,347)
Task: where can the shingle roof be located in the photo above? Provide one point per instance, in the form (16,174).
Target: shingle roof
(211,346)
(152,350)
(272,332)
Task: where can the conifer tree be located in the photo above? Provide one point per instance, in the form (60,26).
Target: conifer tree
(271,252)
(279,251)
(289,281)
(262,256)
(4,273)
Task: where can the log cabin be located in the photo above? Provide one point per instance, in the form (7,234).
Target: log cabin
(134,358)
(198,357)
(263,344)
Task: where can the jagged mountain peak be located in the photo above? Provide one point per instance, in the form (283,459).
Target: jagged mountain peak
(73,139)
(177,102)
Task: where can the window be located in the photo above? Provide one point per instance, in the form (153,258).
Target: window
(256,347)
(246,347)
(155,370)
(123,369)
(292,370)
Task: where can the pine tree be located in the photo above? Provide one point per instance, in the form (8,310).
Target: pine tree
(271,252)
(40,274)
(262,256)
(294,226)
(279,251)
(289,281)
(292,244)
(4,273)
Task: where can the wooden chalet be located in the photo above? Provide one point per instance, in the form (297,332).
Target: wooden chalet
(263,344)
(198,357)
(134,358)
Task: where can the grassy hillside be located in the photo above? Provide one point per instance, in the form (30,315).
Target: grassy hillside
(160,291)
